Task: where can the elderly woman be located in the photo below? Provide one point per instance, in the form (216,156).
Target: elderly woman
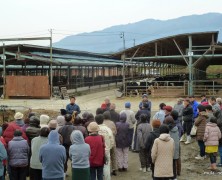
(219,101)
(79,153)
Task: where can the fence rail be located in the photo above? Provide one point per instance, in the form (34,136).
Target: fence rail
(174,88)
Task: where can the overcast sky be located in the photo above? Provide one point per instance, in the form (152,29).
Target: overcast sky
(21,18)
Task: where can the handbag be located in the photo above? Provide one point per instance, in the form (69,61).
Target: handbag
(193,131)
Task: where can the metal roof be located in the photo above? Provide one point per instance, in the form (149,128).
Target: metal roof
(166,50)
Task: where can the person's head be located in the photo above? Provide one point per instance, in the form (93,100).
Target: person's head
(145,97)
(156,123)
(68,117)
(27,121)
(219,101)
(209,108)
(162,105)
(93,128)
(99,119)
(213,120)
(18,116)
(167,109)
(44,120)
(99,111)
(179,100)
(63,112)
(53,137)
(112,106)
(31,114)
(164,129)
(169,121)
(77,121)
(201,108)
(44,132)
(60,120)
(106,115)
(128,105)
(186,102)
(85,115)
(212,100)
(17,133)
(143,118)
(145,106)
(192,98)
(123,117)
(174,115)
(91,117)
(34,121)
(72,100)
(203,96)
(107,100)
(77,137)
(53,124)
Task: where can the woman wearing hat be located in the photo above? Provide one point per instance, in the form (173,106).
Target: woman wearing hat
(97,147)
(17,124)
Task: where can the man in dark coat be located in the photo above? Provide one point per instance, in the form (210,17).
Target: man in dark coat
(187,118)
(34,128)
(114,115)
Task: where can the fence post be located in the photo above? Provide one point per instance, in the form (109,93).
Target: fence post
(167,89)
(213,89)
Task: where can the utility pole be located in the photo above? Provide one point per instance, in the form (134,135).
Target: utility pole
(134,42)
(123,57)
(51,76)
(4,72)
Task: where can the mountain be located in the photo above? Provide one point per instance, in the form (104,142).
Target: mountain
(109,39)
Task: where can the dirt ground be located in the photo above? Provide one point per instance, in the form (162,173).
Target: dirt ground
(191,169)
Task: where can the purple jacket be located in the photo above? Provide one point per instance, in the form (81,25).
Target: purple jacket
(18,151)
(122,140)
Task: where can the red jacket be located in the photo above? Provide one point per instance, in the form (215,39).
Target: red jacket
(9,132)
(97,147)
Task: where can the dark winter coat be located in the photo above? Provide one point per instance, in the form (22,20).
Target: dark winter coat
(33,130)
(150,140)
(201,122)
(114,116)
(179,126)
(122,139)
(18,151)
(66,132)
(187,114)
(143,132)
(143,111)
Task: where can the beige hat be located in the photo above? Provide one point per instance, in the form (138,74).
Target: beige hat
(93,127)
(180,99)
(18,115)
(53,124)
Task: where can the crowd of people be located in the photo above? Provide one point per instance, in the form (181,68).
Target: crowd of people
(98,145)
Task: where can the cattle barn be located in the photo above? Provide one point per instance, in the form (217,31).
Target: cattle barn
(174,63)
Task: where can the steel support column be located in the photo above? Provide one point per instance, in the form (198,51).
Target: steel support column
(190,67)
